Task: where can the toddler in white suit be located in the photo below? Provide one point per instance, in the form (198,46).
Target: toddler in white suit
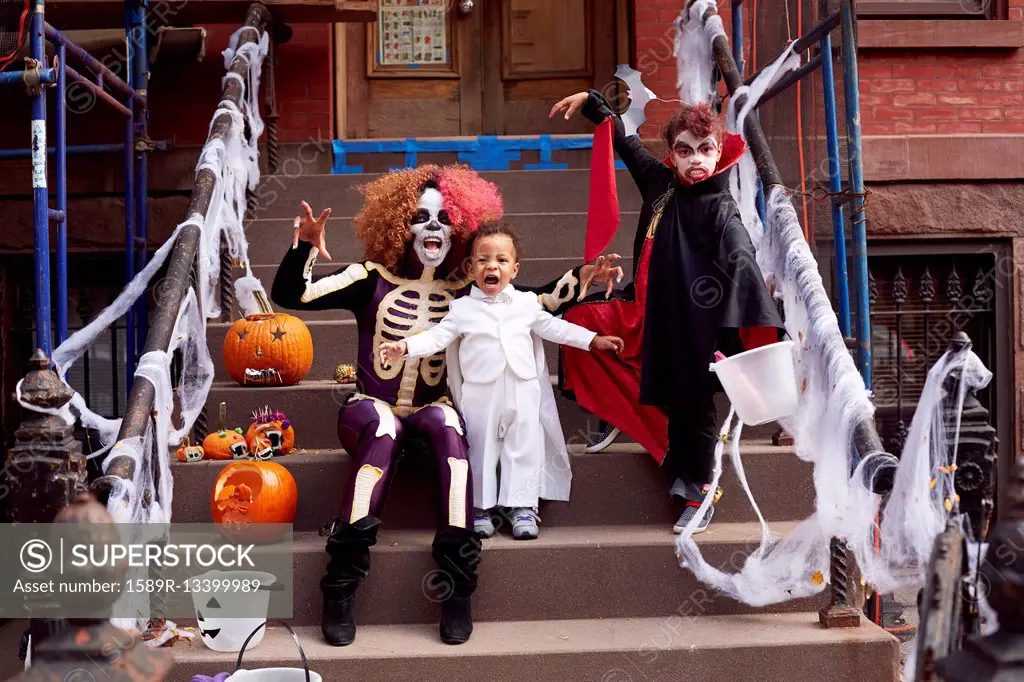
(499,380)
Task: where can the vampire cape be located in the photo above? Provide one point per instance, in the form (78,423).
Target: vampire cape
(696,289)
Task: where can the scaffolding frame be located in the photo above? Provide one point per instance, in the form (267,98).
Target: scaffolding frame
(129,99)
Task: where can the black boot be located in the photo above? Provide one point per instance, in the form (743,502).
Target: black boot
(349,549)
(457,553)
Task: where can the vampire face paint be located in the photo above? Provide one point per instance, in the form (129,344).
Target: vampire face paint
(431,229)
(695,157)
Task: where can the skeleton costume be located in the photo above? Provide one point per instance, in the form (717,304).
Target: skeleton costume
(407,399)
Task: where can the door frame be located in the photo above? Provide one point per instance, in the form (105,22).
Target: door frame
(481,98)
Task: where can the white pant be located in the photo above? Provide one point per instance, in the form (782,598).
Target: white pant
(503,427)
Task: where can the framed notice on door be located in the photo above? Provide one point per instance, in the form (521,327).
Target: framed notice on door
(412,39)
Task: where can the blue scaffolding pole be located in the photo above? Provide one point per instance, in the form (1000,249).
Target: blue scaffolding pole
(34,78)
(857,216)
(835,184)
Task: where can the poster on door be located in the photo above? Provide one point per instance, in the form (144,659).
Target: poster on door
(412,32)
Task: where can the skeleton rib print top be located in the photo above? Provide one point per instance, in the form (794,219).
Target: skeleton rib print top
(391,305)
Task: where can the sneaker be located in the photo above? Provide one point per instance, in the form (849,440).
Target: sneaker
(482,523)
(604,437)
(691,509)
(524,524)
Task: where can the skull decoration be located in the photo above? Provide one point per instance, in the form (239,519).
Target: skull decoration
(189,453)
(431,228)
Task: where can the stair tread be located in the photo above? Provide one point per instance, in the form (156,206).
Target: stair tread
(550,637)
(301,456)
(562,537)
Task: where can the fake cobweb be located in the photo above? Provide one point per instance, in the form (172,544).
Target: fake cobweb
(833,399)
(233,160)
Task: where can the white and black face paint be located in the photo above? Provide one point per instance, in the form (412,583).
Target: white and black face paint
(431,229)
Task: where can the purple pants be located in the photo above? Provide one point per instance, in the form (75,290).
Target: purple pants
(358,423)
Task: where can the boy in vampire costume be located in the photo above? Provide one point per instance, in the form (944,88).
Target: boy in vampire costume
(414,225)
(696,290)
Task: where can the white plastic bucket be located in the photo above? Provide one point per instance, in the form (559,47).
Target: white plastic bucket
(303,674)
(761,383)
(228,633)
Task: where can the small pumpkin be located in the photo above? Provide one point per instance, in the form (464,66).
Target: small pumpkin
(268,348)
(225,444)
(270,433)
(189,453)
(250,493)
(345,373)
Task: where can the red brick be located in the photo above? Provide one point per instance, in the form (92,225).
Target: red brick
(645,16)
(875,70)
(873,128)
(915,70)
(1016,14)
(915,128)
(917,98)
(1013,85)
(1002,98)
(891,114)
(958,128)
(1014,114)
(975,85)
(981,114)
(937,85)
(1002,69)
(966,71)
(1004,127)
(876,100)
(936,114)
(889,84)
(960,100)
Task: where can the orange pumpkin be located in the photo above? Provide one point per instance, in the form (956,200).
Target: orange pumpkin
(268,348)
(276,430)
(250,493)
(189,453)
(225,444)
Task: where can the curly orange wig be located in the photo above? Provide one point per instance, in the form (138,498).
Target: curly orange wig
(382,224)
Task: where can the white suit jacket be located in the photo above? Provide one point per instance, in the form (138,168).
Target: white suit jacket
(508,333)
(497,332)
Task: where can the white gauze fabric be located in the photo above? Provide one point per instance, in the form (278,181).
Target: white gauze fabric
(833,400)
(233,161)
(695,65)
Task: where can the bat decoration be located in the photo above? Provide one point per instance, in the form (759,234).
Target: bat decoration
(639,96)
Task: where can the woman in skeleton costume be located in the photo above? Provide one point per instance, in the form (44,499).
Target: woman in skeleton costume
(697,289)
(413,225)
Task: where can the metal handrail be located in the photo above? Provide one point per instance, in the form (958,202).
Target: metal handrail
(866,440)
(181,261)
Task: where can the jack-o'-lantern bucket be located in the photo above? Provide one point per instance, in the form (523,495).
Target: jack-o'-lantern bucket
(215,594)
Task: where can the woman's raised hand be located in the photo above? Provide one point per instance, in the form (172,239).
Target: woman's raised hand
(601,271)
(312,230)
(570,105)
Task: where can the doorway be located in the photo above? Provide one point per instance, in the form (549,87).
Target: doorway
(443,68)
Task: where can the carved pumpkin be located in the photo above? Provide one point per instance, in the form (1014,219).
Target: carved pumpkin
(271,433)
(189,453)
(268,349)
(249,493)
(225,444)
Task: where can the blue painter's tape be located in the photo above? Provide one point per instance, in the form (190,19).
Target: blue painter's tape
(545,166)
(619,165)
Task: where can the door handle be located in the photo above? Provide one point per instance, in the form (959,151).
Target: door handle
(466,6)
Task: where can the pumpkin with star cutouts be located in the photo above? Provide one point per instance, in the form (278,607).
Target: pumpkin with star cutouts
(268,349)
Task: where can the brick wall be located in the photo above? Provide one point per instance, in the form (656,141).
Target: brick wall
(939,92)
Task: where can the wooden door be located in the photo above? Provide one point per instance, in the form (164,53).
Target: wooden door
(427,68)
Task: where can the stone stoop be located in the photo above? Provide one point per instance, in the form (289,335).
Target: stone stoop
(600,595)
(747,648)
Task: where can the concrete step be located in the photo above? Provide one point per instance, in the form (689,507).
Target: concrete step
(568,572)
(312,407)
(787,646)
(523,192)
(532,272)
(620,486)
(548,234)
